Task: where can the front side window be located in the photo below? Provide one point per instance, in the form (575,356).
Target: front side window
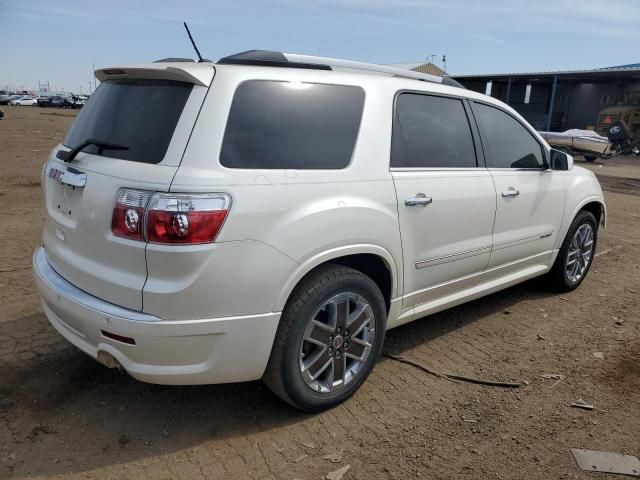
(507,143)
(138,114)
(292,125)
(431,132)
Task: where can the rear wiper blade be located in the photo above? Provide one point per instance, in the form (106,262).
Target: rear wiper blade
(102,146)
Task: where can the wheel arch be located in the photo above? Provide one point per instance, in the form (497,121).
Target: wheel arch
(593,204)
(599,210)
(372,260)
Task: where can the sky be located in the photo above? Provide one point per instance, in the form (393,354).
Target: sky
(59,40)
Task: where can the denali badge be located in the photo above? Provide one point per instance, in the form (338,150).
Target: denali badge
(72,177)
(55,174)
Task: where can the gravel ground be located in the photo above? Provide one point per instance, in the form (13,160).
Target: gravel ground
(63,415)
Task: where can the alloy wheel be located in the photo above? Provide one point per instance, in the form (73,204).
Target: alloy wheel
(580,251)
(337,342)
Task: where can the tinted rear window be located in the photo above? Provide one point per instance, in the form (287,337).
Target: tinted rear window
(139,114)
(292,125)
(431,132)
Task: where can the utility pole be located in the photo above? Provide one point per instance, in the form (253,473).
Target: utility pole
(94,76)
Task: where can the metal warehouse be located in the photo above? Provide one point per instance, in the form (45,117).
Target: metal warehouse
(557,101)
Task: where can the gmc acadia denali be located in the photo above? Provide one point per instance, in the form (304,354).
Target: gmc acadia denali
(272,215)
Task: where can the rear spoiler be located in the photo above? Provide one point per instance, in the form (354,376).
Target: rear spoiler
(198,74)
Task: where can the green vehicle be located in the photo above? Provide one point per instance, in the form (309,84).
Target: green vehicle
(629,114)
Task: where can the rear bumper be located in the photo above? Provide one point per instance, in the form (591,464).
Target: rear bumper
(175,352)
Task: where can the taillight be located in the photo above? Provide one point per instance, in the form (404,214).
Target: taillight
(169,217)
(186,218)
(128,213)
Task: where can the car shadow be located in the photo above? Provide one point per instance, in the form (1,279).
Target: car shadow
(423,330)
(67,414)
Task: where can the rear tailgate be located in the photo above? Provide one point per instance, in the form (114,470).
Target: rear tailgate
(151,111)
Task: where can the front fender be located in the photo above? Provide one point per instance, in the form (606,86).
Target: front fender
(582,188)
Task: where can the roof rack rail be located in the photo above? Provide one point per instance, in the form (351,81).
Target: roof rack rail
(268,58)
(293,60)
(181,60)
(174,59)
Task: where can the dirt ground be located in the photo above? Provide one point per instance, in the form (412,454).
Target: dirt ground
(63,415)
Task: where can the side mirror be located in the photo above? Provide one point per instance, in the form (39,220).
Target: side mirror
(560,160)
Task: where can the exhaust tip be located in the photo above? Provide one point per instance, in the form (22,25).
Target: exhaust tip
(108,360)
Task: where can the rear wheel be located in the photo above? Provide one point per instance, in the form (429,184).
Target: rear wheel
(330,336)
(576,254)
(590,158)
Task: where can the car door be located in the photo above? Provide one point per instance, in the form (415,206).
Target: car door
(529,196)
(446,200)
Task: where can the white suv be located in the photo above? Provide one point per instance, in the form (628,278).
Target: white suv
(272,215)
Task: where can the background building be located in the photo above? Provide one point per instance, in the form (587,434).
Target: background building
(429,68)
(557,101)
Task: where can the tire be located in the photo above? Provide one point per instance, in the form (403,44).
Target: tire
(590,158)
(321,297)
(561,277)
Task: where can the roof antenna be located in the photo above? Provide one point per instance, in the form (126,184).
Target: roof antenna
(193,43)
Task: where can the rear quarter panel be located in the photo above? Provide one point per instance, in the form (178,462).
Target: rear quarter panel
(306,216)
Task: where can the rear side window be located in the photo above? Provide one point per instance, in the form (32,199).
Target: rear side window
(139,114)
(507,143)
(431,132)
(292,125)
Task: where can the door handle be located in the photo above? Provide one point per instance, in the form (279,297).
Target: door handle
(420,200)
(512,192)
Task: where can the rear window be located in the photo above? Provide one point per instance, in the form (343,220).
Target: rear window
(292,125)
(431,132)
(139,114)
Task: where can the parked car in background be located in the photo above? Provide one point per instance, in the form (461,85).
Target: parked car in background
(8,99)
(25,100)
(278,228)
(44,101)
(78,101)
(60,102)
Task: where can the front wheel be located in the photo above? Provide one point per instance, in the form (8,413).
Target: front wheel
(576,254)
(330,336)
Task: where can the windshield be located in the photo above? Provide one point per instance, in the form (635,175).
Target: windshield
(139,114)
